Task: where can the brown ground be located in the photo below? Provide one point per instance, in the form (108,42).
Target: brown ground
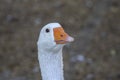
(95,24)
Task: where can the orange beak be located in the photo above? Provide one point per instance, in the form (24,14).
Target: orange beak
(61,37)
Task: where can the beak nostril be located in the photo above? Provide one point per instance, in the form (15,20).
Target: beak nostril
(61,35)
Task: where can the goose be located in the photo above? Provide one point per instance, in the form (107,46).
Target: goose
(50,43)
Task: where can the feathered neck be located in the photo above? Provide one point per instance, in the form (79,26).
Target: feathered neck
(51,64)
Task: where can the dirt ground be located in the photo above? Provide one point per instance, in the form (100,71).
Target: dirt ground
(95,25)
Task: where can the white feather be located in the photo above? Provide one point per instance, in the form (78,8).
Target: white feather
(50,54)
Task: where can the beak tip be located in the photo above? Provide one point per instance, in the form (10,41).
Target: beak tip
(70,39)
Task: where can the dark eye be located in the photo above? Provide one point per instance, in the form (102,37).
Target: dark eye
(47,30)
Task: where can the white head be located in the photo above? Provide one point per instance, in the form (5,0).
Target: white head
(50,43)
(53,37)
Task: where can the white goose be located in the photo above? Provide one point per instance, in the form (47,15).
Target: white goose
(50,43)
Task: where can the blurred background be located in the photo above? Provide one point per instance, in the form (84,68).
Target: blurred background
(95,25)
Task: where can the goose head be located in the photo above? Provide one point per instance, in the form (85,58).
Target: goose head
(53,37)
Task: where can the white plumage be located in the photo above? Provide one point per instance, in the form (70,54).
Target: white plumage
(50,43)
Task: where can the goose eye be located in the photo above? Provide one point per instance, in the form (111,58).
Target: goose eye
(47,30)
